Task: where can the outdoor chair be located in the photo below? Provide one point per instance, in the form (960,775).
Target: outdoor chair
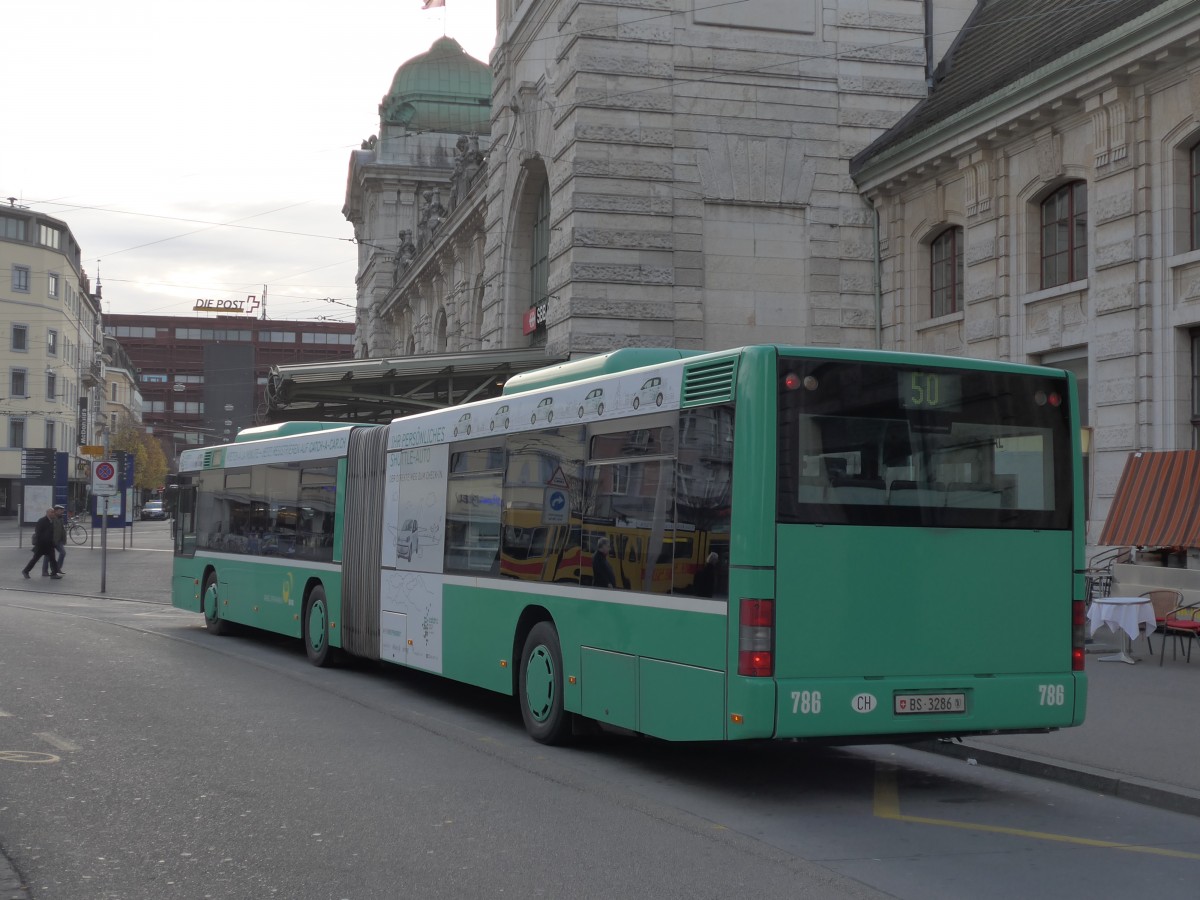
(1174,619)
(1099,573)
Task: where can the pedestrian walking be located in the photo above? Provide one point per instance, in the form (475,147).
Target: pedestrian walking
(43,544)
(60,540)
(602,570)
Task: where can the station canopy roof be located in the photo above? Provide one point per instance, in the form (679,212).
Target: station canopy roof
(379,390)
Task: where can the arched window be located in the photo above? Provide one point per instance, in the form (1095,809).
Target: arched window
(946,272)
(539,264)
(439,332)
(1064,235)
(1194,195)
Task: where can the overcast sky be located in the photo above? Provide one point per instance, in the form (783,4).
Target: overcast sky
(200,150)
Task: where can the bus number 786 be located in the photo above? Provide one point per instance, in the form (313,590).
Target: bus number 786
(806,702)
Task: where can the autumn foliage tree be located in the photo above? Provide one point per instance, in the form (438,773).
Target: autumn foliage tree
(149,463)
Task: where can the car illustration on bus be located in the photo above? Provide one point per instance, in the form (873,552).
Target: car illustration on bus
(593,403)
(650,392)
(544,410)
(499,417)
(406,539)
(464,424)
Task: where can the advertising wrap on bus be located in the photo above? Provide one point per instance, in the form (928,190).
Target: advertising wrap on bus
(765,542)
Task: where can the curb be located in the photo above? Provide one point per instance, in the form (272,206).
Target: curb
(1126,787)
(12,886)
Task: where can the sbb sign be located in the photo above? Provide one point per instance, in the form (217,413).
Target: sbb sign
(249,305)
(535,318)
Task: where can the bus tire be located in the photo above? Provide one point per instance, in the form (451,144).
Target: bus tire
(210,606)
(316,628)
(540,687)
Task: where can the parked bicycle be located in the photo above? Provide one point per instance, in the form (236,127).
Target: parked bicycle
(77,532)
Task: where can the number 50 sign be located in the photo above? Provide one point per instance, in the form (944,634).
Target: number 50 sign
(104,479)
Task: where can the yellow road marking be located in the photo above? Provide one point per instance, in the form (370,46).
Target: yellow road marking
(887,806)
(27,756)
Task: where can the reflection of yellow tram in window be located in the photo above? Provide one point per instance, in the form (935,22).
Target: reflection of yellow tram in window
(533,551)
(681,556)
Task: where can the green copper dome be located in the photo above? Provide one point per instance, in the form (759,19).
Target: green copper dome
(443,89)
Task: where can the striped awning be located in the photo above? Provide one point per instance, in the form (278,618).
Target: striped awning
(1157,503)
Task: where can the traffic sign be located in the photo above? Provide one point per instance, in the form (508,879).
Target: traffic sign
(556,509)
(104,479)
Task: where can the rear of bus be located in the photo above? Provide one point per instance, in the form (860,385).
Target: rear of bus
(927,530)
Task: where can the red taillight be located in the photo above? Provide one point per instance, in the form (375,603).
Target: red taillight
(1078,620)
(756,638)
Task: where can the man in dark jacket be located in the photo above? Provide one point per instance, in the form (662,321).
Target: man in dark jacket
(60,540)
(43,544)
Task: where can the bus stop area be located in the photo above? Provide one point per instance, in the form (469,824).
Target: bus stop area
(1138,742)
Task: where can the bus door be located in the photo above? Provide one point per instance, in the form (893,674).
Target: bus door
(184,524)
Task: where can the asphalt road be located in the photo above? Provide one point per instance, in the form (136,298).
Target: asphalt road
(141,757)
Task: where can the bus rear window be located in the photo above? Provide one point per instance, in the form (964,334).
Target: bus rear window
(869,444)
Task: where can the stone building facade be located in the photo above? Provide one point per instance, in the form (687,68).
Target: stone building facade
(415,195)
(682,168)
(1044,209)
(661,173)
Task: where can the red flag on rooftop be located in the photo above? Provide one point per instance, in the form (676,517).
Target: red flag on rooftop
(433,4)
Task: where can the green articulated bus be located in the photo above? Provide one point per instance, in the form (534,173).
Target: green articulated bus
(765,542)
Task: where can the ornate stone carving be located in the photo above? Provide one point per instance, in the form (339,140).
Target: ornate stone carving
(750,169)
(1049,157)
(1109,134)
(406,251)
(432,213)
(978,189)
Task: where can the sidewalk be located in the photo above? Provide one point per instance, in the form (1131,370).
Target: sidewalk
(1139,740)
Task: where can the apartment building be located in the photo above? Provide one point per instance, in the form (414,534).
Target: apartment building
(49,348)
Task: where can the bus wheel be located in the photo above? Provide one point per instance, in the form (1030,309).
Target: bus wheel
(316,628)
(540,687)
(209,604)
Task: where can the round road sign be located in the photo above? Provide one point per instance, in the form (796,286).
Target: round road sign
(104,479)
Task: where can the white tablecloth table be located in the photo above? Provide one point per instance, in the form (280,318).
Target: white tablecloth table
(1121,614)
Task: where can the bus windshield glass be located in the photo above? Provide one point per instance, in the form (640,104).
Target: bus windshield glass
(871,444)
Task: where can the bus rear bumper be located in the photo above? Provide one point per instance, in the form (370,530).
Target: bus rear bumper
(928,706)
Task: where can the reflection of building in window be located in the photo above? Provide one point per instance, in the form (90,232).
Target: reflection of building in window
(270,510)
(473,509)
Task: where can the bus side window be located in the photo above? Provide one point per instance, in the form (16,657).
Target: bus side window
(704,496)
